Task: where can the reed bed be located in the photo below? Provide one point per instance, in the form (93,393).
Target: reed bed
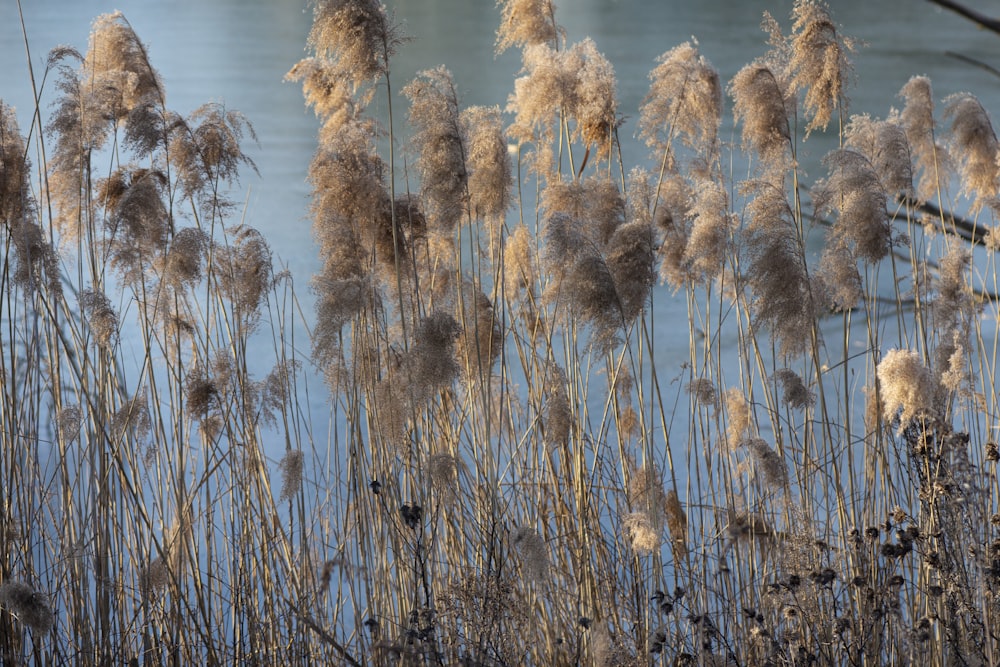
(510,473)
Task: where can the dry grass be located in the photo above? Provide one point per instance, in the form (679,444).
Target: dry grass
(499,484)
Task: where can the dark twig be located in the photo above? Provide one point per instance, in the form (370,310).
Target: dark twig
(971,14)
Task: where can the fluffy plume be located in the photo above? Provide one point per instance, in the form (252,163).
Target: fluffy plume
(596,203)
(838,276)
(557,415)
(519,261)
(201,392)
(526,23)
(101,317)
(117,60)
(326,90)
(596,107)
(182,264)
(439,143)
(819,61)
(684,101)
(739,417)
(244,270)
(444,474)
(794,391)
(291,473)
(885,145)
(644,536)
(768,463)
(132,417)
(481,341)
(906,386)
(36,263)
(16,205)
(580,82)
(534,553)
(676,525)
(488,162)
(138,220)
(704,393)
(953,305)
(781,298)
(675,200)
(357,35)
(930,157)
(973,144)
(69,421)
(708,245)
(28,605)
(630,255)
(206,150)
(854,191)
(762,103)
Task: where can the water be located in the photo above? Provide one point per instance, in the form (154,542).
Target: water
(237,52)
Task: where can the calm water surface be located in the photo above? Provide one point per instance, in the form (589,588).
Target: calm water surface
(237,52)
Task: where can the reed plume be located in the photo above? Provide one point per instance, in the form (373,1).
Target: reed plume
(973,144)
(101,317)
(884,143)
(16,202)
(708,244)
(781,291)
(526,23)
(684,101)
(855,191)
(930,157)
(763,102)
(37,263)
(291,466)
(358,36)
(488,163)
(31,607)
(819,61)
(440,147)
(630,257)
(534,553)
(906,387)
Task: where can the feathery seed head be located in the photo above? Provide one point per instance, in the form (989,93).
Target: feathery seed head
(644,536)
(440,146)
(762,102)
(794,391)
(676,525)
(708,245)
(488,162)
(739,417)
(182,264)
(854,190)
(973,144)
(631,255)
(36,261)
(769,462)
(917,119)
(819,61)
(533,551)
(526,23)
(28,605)
(596,106)
(244,270)
(885,144)
(684,101)
(101,316)
(291,467)
(704,393)
(16,203)
(117,59)
(70,419)
(905,386)
(358,35)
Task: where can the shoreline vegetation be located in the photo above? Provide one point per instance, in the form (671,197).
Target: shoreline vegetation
(497,483)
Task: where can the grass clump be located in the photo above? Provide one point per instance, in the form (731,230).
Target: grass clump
(513,473)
